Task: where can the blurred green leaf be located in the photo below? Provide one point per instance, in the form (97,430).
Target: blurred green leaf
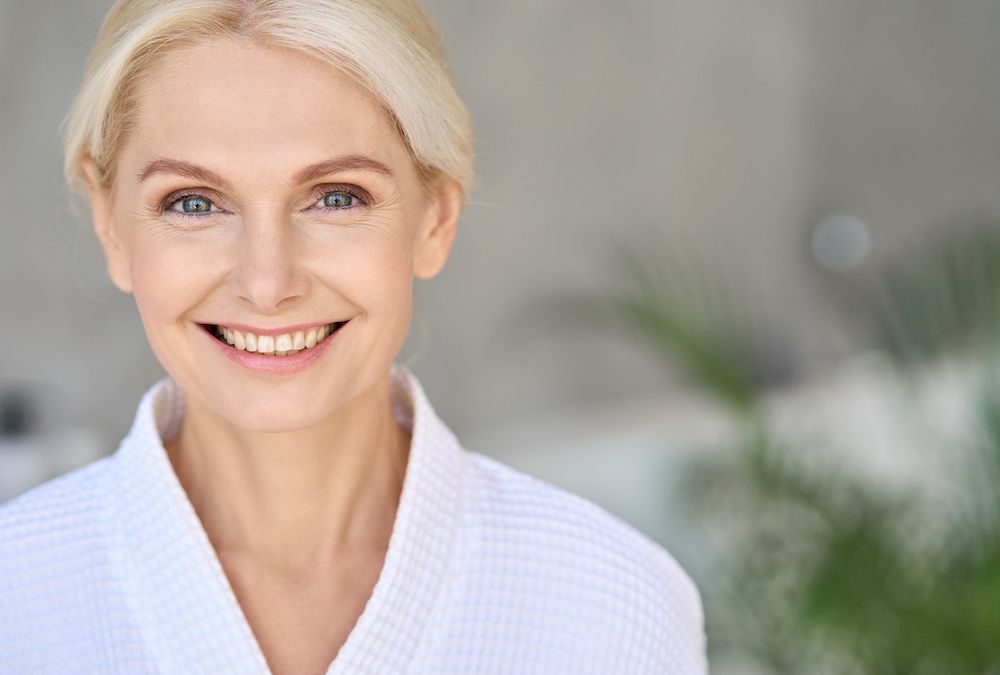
(825,572)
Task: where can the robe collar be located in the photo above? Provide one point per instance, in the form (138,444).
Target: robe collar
(177,591)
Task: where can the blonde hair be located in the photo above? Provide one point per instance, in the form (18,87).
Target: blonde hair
(389,46)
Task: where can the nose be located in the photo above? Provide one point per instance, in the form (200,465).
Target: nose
(269,275)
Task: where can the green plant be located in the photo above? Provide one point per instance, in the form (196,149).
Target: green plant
(826,571)
(939,296)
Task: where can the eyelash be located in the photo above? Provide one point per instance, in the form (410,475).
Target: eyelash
(166,205)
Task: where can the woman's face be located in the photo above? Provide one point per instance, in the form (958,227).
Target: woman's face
(261,188)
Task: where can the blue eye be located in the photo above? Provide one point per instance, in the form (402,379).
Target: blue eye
(192,204)
(339,200)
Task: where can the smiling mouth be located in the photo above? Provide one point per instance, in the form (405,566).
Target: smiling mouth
(273,345)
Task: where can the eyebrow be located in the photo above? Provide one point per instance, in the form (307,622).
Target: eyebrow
(179,168)
(309,173)
(349,162)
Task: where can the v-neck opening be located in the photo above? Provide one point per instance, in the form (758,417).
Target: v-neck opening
(184,602)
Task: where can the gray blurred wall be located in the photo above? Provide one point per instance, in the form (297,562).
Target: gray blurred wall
(730,128)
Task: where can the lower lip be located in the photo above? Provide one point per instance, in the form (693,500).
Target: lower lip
(269,363)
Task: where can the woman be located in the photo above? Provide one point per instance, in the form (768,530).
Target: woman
(267,178)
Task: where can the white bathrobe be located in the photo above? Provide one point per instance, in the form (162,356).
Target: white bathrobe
(107,569)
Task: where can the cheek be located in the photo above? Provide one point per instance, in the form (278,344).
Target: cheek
(372,270)
(369,265)
(171,275)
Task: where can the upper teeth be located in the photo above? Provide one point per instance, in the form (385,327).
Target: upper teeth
(282,345)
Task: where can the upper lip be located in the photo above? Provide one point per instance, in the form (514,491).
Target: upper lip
(303,327)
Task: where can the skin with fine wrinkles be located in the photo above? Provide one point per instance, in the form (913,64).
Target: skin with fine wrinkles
(295,478)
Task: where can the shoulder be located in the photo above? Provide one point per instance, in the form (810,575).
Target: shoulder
(50,537)
(54,510)
(598,573)
(522,508)
(60,603)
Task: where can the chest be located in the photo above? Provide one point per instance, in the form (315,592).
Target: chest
(301,622)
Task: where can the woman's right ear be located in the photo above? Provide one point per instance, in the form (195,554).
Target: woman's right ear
(105,226)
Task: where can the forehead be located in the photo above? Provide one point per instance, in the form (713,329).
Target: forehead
(242,106)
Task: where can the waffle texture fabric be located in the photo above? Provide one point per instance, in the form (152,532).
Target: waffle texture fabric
(107,569)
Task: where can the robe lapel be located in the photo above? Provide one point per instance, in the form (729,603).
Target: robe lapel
(179,595)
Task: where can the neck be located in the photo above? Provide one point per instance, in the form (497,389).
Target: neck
(295,499)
